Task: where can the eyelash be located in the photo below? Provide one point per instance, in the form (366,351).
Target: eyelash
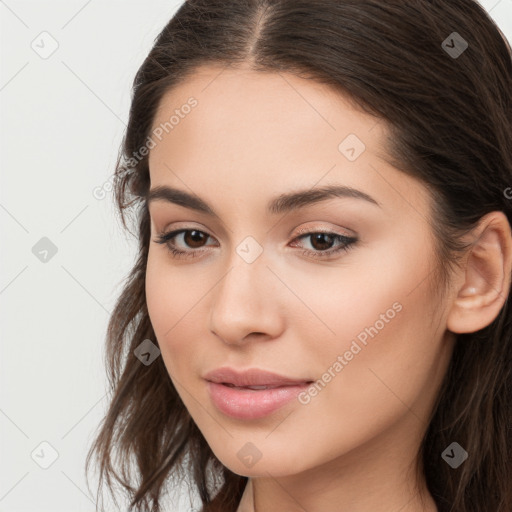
(347,243)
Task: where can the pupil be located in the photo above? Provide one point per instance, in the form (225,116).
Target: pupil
(196,237)
(318,237)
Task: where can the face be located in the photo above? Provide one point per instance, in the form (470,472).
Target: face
(333,291)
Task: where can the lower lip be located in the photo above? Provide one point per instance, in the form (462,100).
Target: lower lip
(250,404)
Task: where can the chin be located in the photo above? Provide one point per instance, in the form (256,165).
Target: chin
(274,464)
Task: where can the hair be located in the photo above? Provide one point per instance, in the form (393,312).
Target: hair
(450,126)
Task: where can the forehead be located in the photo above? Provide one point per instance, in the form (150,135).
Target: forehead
(259,119)
(265,104)
(258,132)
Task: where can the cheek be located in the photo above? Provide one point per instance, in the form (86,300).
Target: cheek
(384,349)
(171,310)
(363,298)
(159,297)
(171,294)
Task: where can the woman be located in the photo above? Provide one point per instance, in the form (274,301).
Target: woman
(318,318)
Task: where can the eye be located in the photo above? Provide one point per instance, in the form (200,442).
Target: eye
(322,241)
(193,238)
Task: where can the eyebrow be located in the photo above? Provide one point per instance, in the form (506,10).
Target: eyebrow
(281,204)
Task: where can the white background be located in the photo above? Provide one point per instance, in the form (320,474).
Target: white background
(62,121)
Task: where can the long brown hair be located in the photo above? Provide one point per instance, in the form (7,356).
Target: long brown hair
(450,120)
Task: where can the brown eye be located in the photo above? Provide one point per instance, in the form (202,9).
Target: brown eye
(326,244)
(321,241)
(194,238)
(191,239)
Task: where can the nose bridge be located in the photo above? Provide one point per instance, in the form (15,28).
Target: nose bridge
(245,278)
(242,301)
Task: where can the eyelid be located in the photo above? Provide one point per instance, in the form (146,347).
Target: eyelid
(310,229)
(322,229)
(347,242)
(188,226)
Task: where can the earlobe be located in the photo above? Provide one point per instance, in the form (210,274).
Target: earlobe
(487,276)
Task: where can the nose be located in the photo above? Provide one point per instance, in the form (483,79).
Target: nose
(247,303)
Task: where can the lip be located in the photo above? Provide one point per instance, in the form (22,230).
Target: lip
(251,377)
(247,404)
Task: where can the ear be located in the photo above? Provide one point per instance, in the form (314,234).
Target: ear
(486,282)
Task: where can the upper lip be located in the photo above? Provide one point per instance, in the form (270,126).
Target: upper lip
(251,377)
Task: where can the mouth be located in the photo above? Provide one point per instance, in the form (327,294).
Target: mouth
(265,387)
(252,393)
(253,402)
(252,378)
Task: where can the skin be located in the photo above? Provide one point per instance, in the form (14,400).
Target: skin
(254,136)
